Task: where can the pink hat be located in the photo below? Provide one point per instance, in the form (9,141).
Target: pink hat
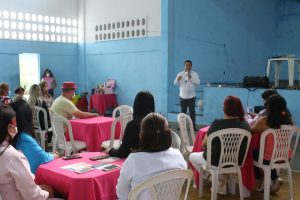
(68,85)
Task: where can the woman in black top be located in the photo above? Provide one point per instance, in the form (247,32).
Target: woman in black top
(143,105)
(233,118)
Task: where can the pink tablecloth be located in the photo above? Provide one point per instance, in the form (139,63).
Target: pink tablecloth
(93,131)
(92,185)
(101,102)
(247,169)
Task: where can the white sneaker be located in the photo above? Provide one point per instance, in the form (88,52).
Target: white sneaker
(276,185)
(222,189)
(222,185)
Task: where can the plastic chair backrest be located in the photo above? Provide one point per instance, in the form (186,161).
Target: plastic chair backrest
(164,186)
(176,141)
(186,129)
(122,120)
(297,133)
(36,120)
(122,110)
(59,123)
(282,142)
(230,140)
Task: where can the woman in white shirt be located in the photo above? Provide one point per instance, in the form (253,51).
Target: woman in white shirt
(154,156)
(16,182)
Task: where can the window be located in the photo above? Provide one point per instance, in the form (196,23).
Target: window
(29,70)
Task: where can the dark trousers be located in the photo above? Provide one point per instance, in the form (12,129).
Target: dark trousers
(258,171)
(184,104)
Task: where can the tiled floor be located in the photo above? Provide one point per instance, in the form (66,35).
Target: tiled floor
(282,194)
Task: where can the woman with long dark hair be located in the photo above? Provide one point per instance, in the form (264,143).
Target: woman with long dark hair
(155,155)
(143,105)
(16,182)
(277,115)
(24,140)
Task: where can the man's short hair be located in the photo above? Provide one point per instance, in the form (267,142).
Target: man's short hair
(189,61)
(65,90)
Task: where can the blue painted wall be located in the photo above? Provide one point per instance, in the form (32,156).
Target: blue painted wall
(134,63)
(226,40)
(287,31)
(214,98)
(61,58)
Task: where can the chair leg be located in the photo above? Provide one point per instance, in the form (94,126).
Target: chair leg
(43,140)
(241,188)
(232,184)
(267,183)
(214,185)
(290,182)
(200,190)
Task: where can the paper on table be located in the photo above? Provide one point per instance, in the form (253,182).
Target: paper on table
(80,167)
(106,166)
(110,159)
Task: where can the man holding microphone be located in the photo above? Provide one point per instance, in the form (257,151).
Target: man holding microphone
(187,81)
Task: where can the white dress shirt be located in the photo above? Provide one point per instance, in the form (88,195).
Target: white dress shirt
(141,165)
(187,87)
(17,182)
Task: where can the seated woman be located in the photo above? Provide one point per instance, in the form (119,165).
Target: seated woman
(252,117)
(143,105)
(24,140)
(36,100)
(154,156)
(233,118)
(277,115)
(4,90)
(19,94)
(45,96)
(16,182)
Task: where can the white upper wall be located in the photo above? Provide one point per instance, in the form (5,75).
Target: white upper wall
(57,8)
(40,20)
(108,11)
(92,12)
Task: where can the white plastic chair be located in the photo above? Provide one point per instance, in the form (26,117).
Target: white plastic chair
(59,123)
(295,145)
(121,110)
(115,143)
(186,131)
(165,186)
(37,124)
(229,163)
(279,158)
(176,141)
